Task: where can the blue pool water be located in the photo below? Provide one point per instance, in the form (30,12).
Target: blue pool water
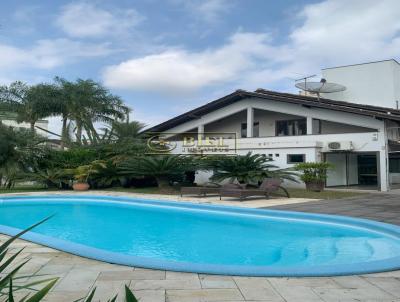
(204,238)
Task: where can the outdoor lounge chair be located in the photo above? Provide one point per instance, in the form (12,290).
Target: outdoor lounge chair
(209,188)
(268,186)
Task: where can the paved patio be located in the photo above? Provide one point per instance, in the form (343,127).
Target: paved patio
(380,207)
(78,275)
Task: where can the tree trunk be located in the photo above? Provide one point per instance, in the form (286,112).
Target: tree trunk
(79,132)
(64,133)
(162,182)
(32,126)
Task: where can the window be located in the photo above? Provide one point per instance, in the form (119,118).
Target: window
(256,129)
(291,127)
(296,158)
(394,165)
(316,126)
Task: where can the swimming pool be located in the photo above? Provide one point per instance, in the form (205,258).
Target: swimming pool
(204,238)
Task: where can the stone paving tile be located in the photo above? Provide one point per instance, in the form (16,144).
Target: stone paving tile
(393,274)
(388,284)
(381,207)
(351,282)
(55,268)
(326,282)
(78,279)
(297,293)
(214,281)
(180,276)
(203,295)
(64,296)
(34,264)
(165,284)
(151,295)
(355,294)
(107,289)
(116,275)
(148,274)
(257,289)
(37,278)
(98,266)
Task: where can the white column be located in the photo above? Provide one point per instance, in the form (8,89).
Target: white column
(383,170)
(200,132)
(250,121)
(309,125)
(200,129)
(383,159)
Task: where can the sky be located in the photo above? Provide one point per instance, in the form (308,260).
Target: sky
(166,57)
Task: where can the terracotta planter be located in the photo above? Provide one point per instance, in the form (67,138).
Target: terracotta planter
(316,186)
(80,186)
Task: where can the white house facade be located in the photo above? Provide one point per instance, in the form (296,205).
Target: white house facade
(372,83)
(359,140)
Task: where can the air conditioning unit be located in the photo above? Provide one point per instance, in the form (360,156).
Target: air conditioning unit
(340,146)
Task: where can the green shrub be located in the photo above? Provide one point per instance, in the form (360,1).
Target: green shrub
(313,171)
(69,159)
(164,168)
(246,169)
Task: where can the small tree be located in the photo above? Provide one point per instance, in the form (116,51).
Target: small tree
(162,167)
(246,169)
(314,174)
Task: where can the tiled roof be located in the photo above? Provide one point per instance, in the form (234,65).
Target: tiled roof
(368,110)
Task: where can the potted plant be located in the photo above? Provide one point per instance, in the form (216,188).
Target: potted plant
(81,176)
(314,174)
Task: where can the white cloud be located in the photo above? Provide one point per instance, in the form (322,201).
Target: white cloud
(83,19)
(348,31)
(180,71)
(329,33)
(47,54)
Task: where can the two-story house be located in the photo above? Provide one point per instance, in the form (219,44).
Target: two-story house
(358,139)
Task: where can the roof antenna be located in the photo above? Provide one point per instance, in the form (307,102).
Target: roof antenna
(305,79)
(320,87)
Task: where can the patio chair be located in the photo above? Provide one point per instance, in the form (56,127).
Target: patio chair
(268,186)
(208,188)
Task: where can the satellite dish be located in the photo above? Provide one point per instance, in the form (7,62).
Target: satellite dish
(320,87)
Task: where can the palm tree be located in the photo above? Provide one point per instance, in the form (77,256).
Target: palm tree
(19,150)
(30,103)
(249,168)
(86,102)
(123,131)
(161,167)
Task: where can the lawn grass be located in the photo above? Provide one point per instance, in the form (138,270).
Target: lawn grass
(294,193)
(25,189)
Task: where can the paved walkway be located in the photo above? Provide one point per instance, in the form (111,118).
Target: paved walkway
(380,207)
(78,275)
